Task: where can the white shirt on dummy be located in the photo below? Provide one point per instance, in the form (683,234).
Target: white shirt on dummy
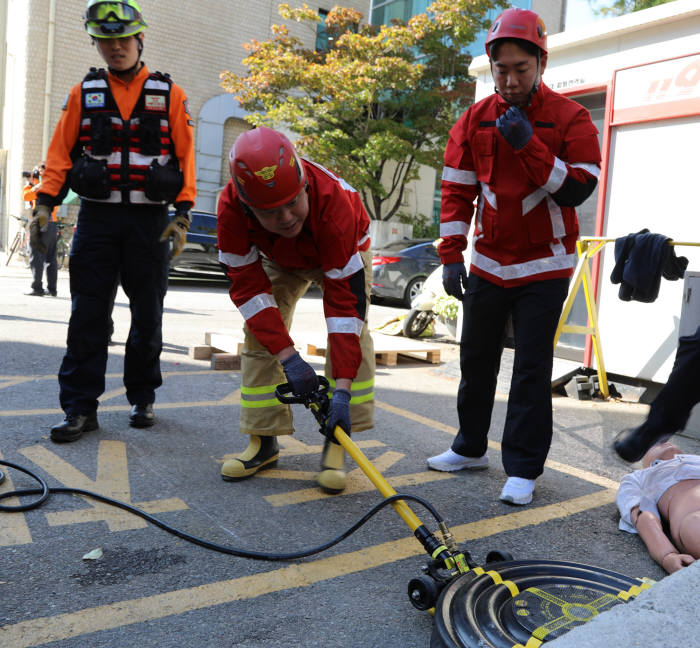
(645,487)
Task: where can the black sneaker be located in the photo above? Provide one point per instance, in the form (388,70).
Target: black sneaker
(35,293)
(73,427)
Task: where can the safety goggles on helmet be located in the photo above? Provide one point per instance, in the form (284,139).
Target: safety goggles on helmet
(265,168)
(121,11)
(113,19)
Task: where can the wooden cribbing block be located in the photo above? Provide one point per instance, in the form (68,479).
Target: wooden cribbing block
(225,361)
(201,352)
(223,342)
(387,349)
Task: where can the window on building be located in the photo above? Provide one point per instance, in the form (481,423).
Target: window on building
(322,39)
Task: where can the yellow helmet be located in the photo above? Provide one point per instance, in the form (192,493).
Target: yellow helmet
(105,19)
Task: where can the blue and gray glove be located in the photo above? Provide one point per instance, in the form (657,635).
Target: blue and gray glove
(300,375)
(339,413)
(454,279)
(515,127)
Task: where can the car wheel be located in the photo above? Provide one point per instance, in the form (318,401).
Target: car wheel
(416,322)
(414,288)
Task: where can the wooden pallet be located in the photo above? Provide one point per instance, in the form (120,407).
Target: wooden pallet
(222,349)
(388,348)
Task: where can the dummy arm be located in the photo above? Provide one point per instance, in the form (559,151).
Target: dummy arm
(660,548)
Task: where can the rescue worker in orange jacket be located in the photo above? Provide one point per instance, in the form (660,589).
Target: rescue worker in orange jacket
(284,222)
(528,156)
(124,143)
(42,244)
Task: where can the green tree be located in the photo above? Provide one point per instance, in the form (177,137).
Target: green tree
(378,103)
(621,7)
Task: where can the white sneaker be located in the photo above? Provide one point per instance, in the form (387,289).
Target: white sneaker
(450,460)
(517,490)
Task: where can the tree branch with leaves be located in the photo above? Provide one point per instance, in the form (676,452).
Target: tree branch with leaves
(374,106)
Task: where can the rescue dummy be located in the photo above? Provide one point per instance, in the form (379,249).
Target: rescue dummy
(124,143)
(283,223)
(527,156)
(661,502)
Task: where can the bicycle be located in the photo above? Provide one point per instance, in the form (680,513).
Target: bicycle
(20,243)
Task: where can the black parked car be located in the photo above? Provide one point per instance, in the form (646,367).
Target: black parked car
(400,268)
(200,257)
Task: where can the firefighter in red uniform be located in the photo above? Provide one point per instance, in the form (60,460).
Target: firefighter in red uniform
(284,222)
(527,156)
(124,143)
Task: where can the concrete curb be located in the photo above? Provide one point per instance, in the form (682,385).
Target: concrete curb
(664,616)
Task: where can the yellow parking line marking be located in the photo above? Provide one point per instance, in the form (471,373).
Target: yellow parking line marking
(586,475)
(17,532)
(16,380)
(166,374)
(423,420)
(112,481)
(112,394)
(44,630)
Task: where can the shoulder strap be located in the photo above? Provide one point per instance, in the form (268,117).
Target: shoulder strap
(95,73)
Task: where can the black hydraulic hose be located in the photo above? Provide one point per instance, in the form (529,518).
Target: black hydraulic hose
(45,491)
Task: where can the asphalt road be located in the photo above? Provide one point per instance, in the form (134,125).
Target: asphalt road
(151,588)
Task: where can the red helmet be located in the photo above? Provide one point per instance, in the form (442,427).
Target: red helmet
(265,168)
(518,23)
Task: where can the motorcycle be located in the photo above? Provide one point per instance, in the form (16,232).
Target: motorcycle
(423,308)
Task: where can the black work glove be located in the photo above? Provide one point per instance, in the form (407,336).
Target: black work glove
(300,375)
(339,413)
(177,231)
(38,224)
(454,279)
(515,127)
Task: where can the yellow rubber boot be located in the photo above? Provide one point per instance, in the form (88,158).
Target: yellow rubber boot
(262,452)
(332,478)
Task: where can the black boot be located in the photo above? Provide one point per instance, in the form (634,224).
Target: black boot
(632,444)
(142,415)
(73,427)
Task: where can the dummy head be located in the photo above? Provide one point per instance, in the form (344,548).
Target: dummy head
(661,451)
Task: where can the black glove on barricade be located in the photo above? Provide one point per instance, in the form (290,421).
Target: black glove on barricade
(454,279)
(300,375)
(339,413)
(515,127)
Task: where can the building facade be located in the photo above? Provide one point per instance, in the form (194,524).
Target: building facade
(46,51)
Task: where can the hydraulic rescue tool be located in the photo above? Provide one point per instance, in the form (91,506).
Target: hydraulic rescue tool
(504,604)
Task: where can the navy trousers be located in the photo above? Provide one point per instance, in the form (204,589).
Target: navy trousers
(670,410)
(39,261)
(112,241)
(535,309)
